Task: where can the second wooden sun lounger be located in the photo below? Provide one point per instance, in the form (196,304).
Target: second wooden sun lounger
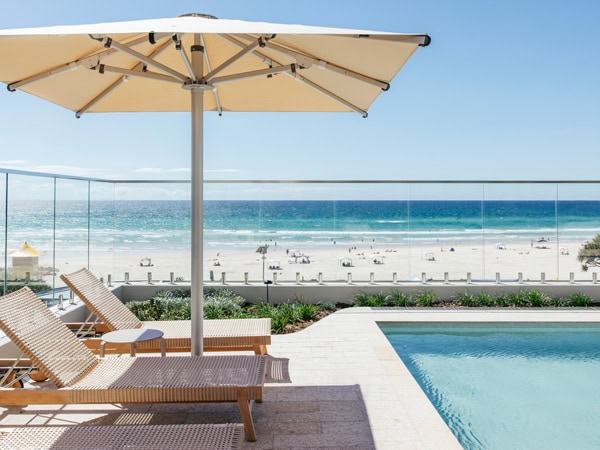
(159,437)
(80,377)
(219,335)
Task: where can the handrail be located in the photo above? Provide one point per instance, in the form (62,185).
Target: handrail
(129,181)
(404,181)
(81,178)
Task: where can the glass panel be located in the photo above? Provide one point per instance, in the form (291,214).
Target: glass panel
(72,214)
(520,230)
(372,223)
(233,224)
(151,232)
(578,223)
(446,231)
(102,228)
(30,231)
(3,242)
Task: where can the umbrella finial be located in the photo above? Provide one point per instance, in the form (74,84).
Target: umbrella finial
(204,16)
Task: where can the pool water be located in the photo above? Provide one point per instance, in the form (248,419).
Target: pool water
(508,386)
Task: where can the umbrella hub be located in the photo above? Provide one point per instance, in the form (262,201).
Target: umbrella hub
(204,16)
(190,85)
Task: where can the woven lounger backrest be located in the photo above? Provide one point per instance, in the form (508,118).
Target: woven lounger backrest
(40,335)
(100,300)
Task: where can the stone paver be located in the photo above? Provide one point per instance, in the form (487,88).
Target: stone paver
(345,388)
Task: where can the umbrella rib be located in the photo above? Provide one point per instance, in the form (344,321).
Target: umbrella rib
(249,48)
(253,74)
(86,62)
(302,79)
(137,73)
(232,40)
(100,96)
(184,57)
(422,40)
(329,94)
(208,67)
(121,80)
(143,58)
(308,60)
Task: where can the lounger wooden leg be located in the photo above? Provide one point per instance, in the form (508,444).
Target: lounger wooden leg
(244,405)
(260,349)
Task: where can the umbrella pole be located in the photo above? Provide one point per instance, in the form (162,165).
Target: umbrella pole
(197,303)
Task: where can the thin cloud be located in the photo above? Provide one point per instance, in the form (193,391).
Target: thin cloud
(21,164)
(161,170)
(11,163)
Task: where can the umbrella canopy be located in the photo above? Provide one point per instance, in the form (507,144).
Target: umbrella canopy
(248,66)
(195,63)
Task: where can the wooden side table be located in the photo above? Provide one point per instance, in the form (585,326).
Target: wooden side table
(132,337)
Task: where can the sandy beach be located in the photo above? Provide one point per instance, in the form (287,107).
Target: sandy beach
(335,262)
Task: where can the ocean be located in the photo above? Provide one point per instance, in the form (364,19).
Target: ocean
(165,225)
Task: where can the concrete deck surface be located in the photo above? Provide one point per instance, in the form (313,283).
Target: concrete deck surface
(337,384)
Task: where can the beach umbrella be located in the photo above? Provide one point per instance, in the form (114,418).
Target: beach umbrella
(25,250)
(198,63)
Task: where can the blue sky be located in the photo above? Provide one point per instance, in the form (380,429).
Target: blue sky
(506,90)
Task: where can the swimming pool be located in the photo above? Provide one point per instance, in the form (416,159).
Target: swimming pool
(508,385)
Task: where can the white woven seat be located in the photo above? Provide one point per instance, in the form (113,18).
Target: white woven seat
(159,437)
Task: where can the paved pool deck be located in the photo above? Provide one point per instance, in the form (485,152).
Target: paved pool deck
(337,384)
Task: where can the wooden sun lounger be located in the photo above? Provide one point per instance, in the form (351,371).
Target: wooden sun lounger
(219,335)
(159,437)
(80,377)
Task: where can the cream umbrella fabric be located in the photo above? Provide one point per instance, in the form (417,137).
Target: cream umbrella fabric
(199,63)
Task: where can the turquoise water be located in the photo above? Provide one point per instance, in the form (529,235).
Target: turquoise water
(165,225)
(515,387)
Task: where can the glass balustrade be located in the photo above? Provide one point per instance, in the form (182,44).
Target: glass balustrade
(382,231)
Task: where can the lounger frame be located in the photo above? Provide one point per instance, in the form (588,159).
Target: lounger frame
(219,335)
(78,376)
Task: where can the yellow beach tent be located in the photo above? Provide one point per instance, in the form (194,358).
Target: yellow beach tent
(25,262)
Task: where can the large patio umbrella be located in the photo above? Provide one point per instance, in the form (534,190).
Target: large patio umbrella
(198,63)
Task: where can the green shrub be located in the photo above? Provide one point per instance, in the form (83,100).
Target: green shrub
(398,298)
(538,299)
(288,311)
(263,310)
(518,299)
(278,323)
(502,301)
(175,305)
(589,253)
(34,286)
(372,300)
(223,302)
(282,315)
(306,311)
(425,299)
(326,307)
(560,302)
(579,300)
(142,310)
(485,299)
(467,299)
